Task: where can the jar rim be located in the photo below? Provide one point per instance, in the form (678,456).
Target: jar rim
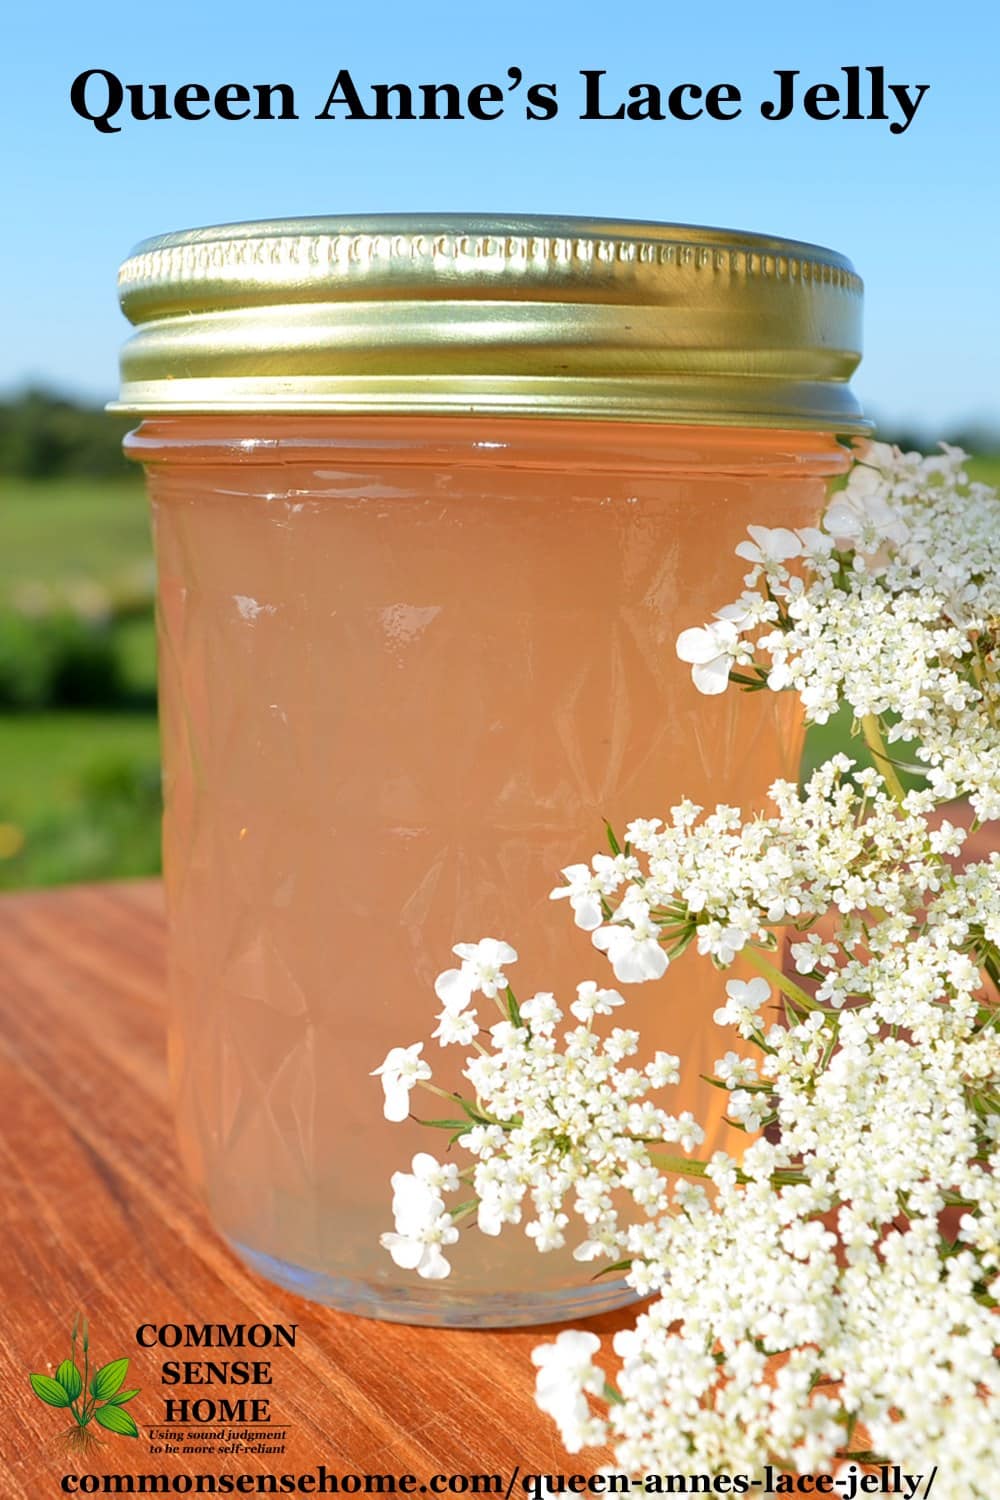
(507,315)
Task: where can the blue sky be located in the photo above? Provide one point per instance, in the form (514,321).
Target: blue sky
(918,213)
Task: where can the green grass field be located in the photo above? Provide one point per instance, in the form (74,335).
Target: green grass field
(63,531)
(78,790)
(987,470)
(79,793)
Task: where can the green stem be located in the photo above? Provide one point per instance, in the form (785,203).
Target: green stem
(481,1116)
(86,1415)
(684,1166)
(72,1355)
(781,981)
(433,1088)
(872,731)
(681,1165)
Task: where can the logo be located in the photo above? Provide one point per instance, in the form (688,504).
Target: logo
(89,1396)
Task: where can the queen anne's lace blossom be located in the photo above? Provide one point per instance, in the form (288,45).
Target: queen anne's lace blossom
(401,1071)
(712,651)
(832,1293)
(482,970)
(423,1224)
(900,616)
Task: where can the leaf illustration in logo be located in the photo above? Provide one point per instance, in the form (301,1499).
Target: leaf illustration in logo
(116,1420)
(70,1379)
(108,1378)
(123,1396)
(49,1390)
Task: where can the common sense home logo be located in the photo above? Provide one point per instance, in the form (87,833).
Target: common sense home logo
(88,1395)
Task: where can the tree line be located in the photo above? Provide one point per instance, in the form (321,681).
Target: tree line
(47,436)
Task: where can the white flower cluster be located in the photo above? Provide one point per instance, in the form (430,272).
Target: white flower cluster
(830,1295)
(763,1347)
(893,608)
(724,883)
(559,1122)
(423,1223)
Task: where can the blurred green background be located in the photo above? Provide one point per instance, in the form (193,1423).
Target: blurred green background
(79,771)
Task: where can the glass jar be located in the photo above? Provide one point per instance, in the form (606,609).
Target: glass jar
(429,514)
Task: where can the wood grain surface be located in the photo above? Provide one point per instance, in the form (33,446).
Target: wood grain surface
(97,1217)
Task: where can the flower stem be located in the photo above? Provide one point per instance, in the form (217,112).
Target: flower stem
(683,1166)
(463,1210)
(872,731)
(434,1088)
(787,986)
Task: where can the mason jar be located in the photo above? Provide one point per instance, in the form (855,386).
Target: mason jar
(432,499)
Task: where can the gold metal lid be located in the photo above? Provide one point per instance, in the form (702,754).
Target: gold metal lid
(528,316)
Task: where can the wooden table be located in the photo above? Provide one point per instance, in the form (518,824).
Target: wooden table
(97,1216)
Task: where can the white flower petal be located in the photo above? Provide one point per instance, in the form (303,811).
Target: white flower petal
(712,678)
(696,646)
(587,913)
(406,1253)
(454,989)
(433,1266)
